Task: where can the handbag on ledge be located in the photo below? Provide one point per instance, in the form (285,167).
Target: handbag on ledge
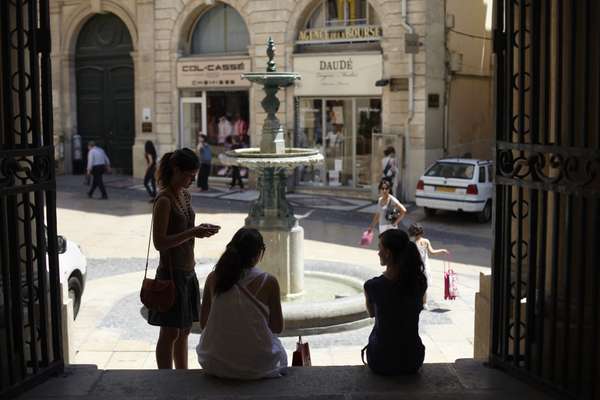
(301,357)
(157,294)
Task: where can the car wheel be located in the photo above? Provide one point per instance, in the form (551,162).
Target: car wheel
(75,292)
(429,212)
(486,214)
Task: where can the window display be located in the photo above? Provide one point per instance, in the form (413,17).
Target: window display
(225,115)
(341,129)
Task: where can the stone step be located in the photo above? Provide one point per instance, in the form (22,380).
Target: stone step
(465,379)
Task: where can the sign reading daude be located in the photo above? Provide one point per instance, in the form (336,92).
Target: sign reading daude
(343,74)
(201,73)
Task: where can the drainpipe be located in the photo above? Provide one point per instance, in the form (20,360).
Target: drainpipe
(447,87)
(411,98)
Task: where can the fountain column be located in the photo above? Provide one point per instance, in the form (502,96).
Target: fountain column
(271,213)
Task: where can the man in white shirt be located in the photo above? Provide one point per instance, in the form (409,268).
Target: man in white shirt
(97,164)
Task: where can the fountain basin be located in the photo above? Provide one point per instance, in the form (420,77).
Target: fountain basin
(306,316)
(253,158)
(279,79)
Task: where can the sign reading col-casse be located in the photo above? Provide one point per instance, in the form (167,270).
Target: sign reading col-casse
(343,74)
(212,73)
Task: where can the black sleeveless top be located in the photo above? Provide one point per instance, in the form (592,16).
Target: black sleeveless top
(181,218)
(394,344)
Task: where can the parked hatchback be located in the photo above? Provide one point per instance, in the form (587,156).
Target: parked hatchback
(73,270)
(457,184)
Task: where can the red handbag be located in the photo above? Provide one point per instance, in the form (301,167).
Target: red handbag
(301,357)
(157,294)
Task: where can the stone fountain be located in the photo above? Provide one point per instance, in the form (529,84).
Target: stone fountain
(271,213)
(330,299)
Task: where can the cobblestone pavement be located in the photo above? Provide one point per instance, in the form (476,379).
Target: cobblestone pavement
(111,332)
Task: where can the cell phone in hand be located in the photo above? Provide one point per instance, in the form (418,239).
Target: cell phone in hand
(211,227)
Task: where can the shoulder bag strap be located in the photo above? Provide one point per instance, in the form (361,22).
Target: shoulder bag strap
(148,249)
(254,300)
(149,240)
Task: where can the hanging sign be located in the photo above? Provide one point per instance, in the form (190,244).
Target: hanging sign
(203,73)
(340,74)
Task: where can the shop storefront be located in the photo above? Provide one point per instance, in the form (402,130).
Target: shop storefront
(338,110)
(214,99)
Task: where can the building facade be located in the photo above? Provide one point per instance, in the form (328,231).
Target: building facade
(375,73)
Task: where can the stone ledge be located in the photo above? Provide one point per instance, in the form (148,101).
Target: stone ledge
(465,379)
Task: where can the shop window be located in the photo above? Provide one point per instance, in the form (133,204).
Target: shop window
(342,129)
(220,30)
(333,13)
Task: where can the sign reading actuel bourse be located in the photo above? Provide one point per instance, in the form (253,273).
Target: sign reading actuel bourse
(201,73)
(359,33)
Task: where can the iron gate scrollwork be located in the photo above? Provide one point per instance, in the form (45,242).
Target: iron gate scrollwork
(30,298)
(546,262)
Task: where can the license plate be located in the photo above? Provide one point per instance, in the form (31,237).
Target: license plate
(445,189)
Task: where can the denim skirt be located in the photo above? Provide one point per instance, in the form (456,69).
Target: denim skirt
(186,309)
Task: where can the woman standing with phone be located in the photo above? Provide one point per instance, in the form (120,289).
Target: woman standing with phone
(174,235)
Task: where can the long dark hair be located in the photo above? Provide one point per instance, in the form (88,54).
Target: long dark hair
(407,259)
(150,149)
(242,251)
(184,159)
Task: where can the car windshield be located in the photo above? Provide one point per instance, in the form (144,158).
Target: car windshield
(451,170)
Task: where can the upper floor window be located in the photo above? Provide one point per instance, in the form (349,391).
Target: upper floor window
(340,21)
(220,30)
(331,13)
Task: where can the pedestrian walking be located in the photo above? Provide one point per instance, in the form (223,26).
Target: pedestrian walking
(149,176)
(388,164)
(389,167)
(389,210)
(205,155)
(394,300)
(416,232)
(236,176)
(97,164)
(174,232)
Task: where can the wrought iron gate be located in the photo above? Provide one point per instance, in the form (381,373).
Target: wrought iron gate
(30,319)
(546,302)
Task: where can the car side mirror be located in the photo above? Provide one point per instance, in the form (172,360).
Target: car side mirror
(62,244)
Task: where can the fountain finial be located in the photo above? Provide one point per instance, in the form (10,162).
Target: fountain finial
(271,66)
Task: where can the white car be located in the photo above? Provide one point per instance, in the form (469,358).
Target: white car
(73,270)
(457,184)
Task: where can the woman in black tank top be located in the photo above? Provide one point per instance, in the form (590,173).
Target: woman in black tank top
(395,300)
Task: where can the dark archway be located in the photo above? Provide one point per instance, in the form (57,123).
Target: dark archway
(105,88)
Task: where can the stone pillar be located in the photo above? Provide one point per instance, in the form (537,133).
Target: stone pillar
(144,64)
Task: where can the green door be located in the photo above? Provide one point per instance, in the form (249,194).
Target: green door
(105,99)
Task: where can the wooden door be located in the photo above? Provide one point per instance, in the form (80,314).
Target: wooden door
(105,89)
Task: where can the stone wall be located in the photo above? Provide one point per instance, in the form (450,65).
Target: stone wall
(160,32)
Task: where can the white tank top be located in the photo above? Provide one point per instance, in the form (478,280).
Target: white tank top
(237,342)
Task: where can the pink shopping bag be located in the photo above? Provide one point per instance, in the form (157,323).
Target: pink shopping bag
(367,238)
(450,282)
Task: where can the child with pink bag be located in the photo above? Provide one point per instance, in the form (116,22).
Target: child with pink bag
(416,232)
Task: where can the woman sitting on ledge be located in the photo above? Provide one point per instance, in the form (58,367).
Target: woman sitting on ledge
(240,315)
(395,299)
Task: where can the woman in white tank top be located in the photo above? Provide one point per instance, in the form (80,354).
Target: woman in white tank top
(241,315)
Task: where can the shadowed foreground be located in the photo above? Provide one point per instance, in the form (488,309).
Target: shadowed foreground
(465,379)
